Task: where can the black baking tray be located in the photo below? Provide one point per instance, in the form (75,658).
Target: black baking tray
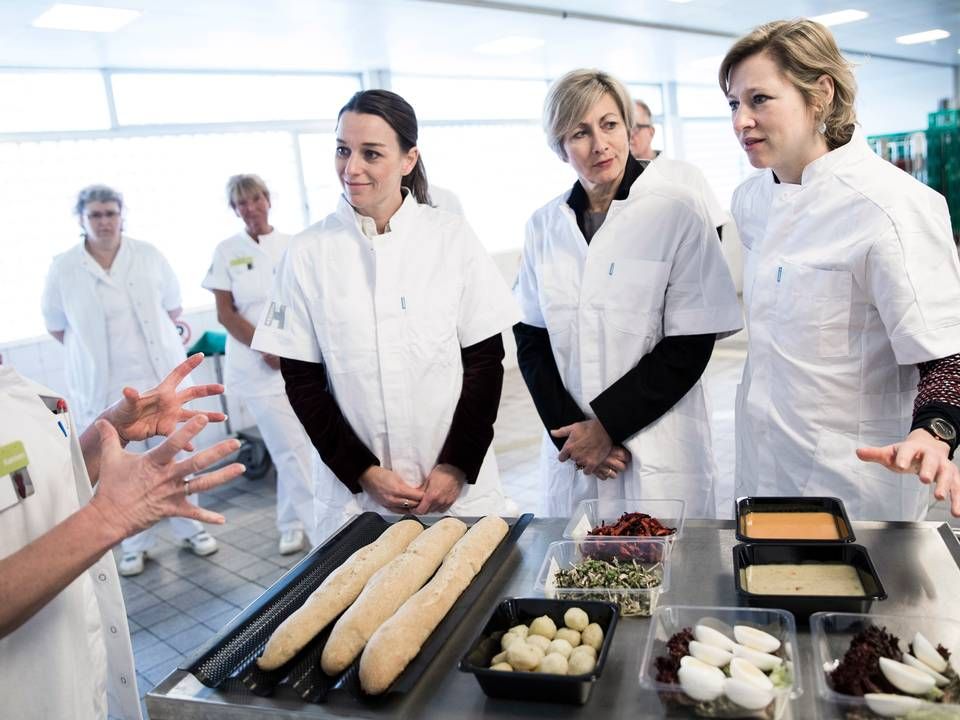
(571,689)
(802,606)
(831,505)
(228,660)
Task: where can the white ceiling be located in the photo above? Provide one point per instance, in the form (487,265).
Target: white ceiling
(437,37)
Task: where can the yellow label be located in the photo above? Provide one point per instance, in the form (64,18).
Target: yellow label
(13,457)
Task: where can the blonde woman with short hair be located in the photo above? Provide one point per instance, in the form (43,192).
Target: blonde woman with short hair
(623,290)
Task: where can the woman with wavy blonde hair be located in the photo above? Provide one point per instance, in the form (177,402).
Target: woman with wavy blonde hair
(851,284)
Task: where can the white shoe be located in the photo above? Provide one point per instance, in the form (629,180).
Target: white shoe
(202,544)
(131,563)
(291,541)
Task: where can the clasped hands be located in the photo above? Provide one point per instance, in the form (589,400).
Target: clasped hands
(439,490)
(591,449)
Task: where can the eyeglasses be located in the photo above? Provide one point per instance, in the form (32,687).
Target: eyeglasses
(108,215)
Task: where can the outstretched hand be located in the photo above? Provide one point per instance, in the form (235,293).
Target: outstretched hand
(160,410)
(927,457)
(135,491)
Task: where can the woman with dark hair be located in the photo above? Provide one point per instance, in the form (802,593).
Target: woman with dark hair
(851,286)
(387,317)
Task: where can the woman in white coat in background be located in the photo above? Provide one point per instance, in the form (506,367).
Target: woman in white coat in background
(387,315)
(241,276)
(623,290)
(112,301)
(851,286)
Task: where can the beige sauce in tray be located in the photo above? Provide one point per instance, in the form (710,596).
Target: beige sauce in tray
(806,579)
(790,525)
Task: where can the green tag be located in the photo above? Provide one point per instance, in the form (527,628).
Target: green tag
(241,261)
(13,457)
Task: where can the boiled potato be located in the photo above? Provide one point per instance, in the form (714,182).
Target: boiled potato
(554,664)
(502,666)
(508,639)
(539,641)
(499,658)
(571,636)
(559,646)
(585,650)
(523,656)
(592,635)
(576,619)
(544,626)
(581,663)
(521,630)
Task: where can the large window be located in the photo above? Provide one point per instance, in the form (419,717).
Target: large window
(43,101)
(435,98)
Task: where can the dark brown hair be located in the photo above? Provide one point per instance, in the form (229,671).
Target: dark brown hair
(399,115)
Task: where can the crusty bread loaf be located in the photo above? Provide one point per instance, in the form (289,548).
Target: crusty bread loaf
(387,590)
(335,594)
(400,638)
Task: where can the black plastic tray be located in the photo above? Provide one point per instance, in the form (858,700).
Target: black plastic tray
(574,689)
(831,505)
(802,606)
(229,659)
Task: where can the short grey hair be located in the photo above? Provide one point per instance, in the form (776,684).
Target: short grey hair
(97,193)
(646,108)
(571,97)
(240,185)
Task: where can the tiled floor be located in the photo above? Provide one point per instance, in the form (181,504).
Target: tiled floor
(181,600)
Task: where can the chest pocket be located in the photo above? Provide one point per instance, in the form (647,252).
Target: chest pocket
(633,293)
(813,311)
(245,284)
(430,322)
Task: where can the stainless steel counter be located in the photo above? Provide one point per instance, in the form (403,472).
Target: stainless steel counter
(919,564)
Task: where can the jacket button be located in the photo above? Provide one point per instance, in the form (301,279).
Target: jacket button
(102,577)
(113,629)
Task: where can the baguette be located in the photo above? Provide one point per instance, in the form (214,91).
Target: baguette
(335,594)
(399,639)
(388,590)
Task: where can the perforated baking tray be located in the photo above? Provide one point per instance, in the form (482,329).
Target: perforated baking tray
(228,659)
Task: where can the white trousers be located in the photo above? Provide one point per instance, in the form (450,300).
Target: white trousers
(181,528)
(293,456)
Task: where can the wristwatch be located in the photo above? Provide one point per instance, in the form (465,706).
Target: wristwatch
(942,430)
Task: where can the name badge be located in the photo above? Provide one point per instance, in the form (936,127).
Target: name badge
(15,482)
(242,261)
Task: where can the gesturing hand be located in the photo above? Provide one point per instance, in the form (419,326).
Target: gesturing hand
(441,489)
(135,491)
(158,411)
(389,490)
(587,444)
(923,454)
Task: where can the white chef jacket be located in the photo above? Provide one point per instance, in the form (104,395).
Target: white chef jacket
(246,268)
(388,317)
(71,304)
(73,658)
(653,269)
(683,173)
(850,279)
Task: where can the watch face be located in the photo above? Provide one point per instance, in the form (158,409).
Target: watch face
(943,429)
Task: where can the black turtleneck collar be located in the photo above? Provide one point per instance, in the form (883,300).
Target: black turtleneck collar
(579,202)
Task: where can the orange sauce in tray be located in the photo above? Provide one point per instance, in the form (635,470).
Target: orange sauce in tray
(790,525)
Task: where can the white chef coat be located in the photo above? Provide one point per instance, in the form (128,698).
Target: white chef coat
(71,304)
(246,268)
(73,658)
(683,173)
(850,279)
(653,269)
(388,317)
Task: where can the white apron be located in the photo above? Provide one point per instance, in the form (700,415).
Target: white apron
(850,279)
(388,318)
(654,268)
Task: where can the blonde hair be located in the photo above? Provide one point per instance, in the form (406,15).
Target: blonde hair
(240,185)
(804,51)
(571,97)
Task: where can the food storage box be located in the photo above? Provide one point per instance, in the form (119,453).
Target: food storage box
(671,619)
(831,633)
(540,687)
(747,554)
(591,513)
(651,554)
(833,507)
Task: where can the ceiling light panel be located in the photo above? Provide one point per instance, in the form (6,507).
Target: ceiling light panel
(923,37)
(85,18)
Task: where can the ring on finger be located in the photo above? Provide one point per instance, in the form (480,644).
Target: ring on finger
(579,466)
(186,486)
(406,504)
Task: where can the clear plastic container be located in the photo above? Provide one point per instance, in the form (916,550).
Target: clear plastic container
(650,553)
(591,513)
(671,619)
(832,632)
